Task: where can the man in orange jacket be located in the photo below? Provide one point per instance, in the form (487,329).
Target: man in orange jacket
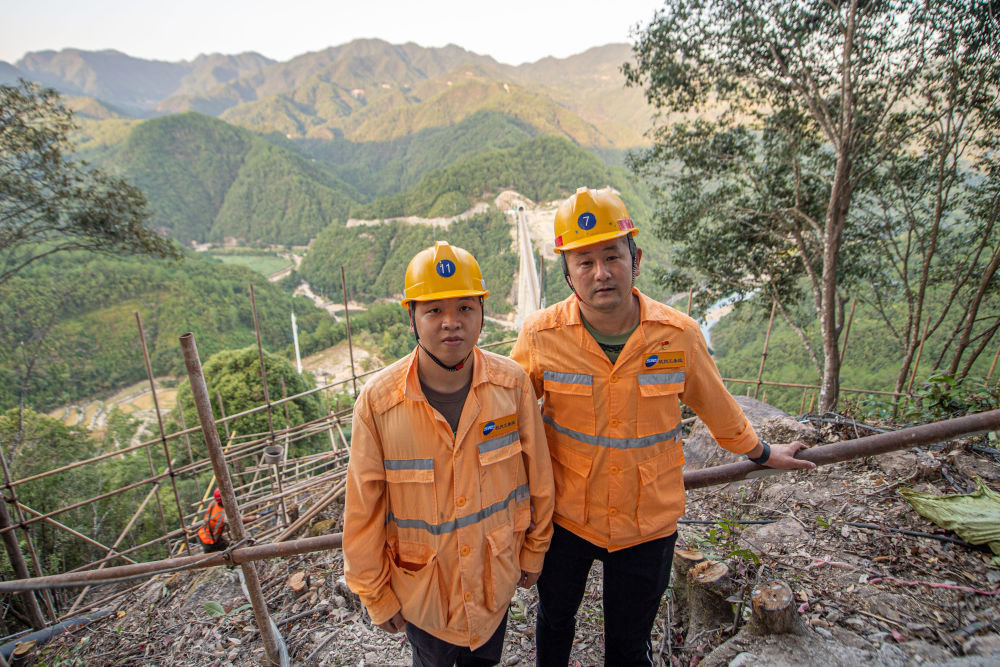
(212,528)
(449,485)
(611,366)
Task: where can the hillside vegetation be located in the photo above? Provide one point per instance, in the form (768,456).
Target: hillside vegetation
(70,320)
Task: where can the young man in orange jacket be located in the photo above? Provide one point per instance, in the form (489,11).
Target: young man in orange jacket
(611,365)
(449,484)
(211,531)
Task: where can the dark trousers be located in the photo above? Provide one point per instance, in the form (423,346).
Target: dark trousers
(634,581)
(220,544)
(429,651)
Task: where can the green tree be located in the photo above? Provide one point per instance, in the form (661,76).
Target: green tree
(788,107)
(235,375)
(50,202)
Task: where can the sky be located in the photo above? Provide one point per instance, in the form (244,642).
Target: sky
(512,31)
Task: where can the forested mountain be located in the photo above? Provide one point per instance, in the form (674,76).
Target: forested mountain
(366,90)
(84,304)
(207,180)
(134,83)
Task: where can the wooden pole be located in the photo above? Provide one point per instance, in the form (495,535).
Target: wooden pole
(763,355)
(211,433)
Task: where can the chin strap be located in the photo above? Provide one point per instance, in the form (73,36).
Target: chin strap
(457,367)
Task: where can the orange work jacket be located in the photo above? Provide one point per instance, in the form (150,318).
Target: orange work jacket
(614,429)
(214,524)
(436,524)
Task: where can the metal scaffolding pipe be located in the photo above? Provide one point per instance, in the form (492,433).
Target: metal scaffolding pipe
(871,445)
(239,556)
(211,434)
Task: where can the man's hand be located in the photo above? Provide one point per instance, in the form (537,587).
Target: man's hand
(528,579)
(395,624)
(783,456)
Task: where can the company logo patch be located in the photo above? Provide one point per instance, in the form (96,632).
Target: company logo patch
(497,427)
(626,223)
(666,360)
(665,344)
(586,221)
(445,268)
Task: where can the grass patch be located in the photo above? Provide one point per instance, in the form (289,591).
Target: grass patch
(265,264)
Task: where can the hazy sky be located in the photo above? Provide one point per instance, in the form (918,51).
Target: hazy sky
(512,31)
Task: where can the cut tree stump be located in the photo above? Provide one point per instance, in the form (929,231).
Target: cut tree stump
(684,560)
(773,611)
(708,597)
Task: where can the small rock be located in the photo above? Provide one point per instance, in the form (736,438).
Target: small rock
(985,645)
(743,660)
(513,660)
(823,632)
(371,657)
(339,601)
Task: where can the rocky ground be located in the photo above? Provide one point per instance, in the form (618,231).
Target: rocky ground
(867,594)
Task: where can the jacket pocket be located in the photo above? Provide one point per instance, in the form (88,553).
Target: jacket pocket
(410,483)
(499,468)
(658,409)
(415,579)
(569,398)
(661,490)
(571,473)
(503,568)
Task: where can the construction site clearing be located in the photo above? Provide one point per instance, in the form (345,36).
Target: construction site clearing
(871,580)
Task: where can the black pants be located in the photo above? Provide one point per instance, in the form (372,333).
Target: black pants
(221,544)
(634,581)
(429,651)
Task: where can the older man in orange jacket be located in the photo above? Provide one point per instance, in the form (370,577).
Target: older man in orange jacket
(611,365)
(449,484)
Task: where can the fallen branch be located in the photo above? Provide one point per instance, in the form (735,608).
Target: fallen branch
(904,582)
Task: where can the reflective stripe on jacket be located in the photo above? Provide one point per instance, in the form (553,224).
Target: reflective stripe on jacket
(214,524)
(614,430)
(435,523)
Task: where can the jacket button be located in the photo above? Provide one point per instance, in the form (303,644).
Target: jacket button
(615,422)
(615,469)
(614,378)
(468,596)
(465,552)
(613,511)
(474,638)
(461,501)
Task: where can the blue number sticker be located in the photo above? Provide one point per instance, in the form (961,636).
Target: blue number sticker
(586,220)
(445,268)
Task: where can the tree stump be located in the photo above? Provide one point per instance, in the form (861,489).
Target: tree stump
(684,560)
(773,611)
(708,593)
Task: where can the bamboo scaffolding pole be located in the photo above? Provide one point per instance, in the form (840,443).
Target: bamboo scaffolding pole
(34,611)
(121,536)
(763,355)
(75,533)
(138,547)
(846,450)
(184,430)
(350,340)
(239,556)
(94,499)
(796,385)
(211,434)
(47,598)
(313,510)
(163,433)
(222,413)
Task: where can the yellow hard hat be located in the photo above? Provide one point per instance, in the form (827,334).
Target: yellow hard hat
(591,216)
(443,272)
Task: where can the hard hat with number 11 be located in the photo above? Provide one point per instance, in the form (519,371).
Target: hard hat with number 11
(443,272)
(591,216)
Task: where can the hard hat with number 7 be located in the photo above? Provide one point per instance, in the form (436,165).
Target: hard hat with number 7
(443,272)
(591,216)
